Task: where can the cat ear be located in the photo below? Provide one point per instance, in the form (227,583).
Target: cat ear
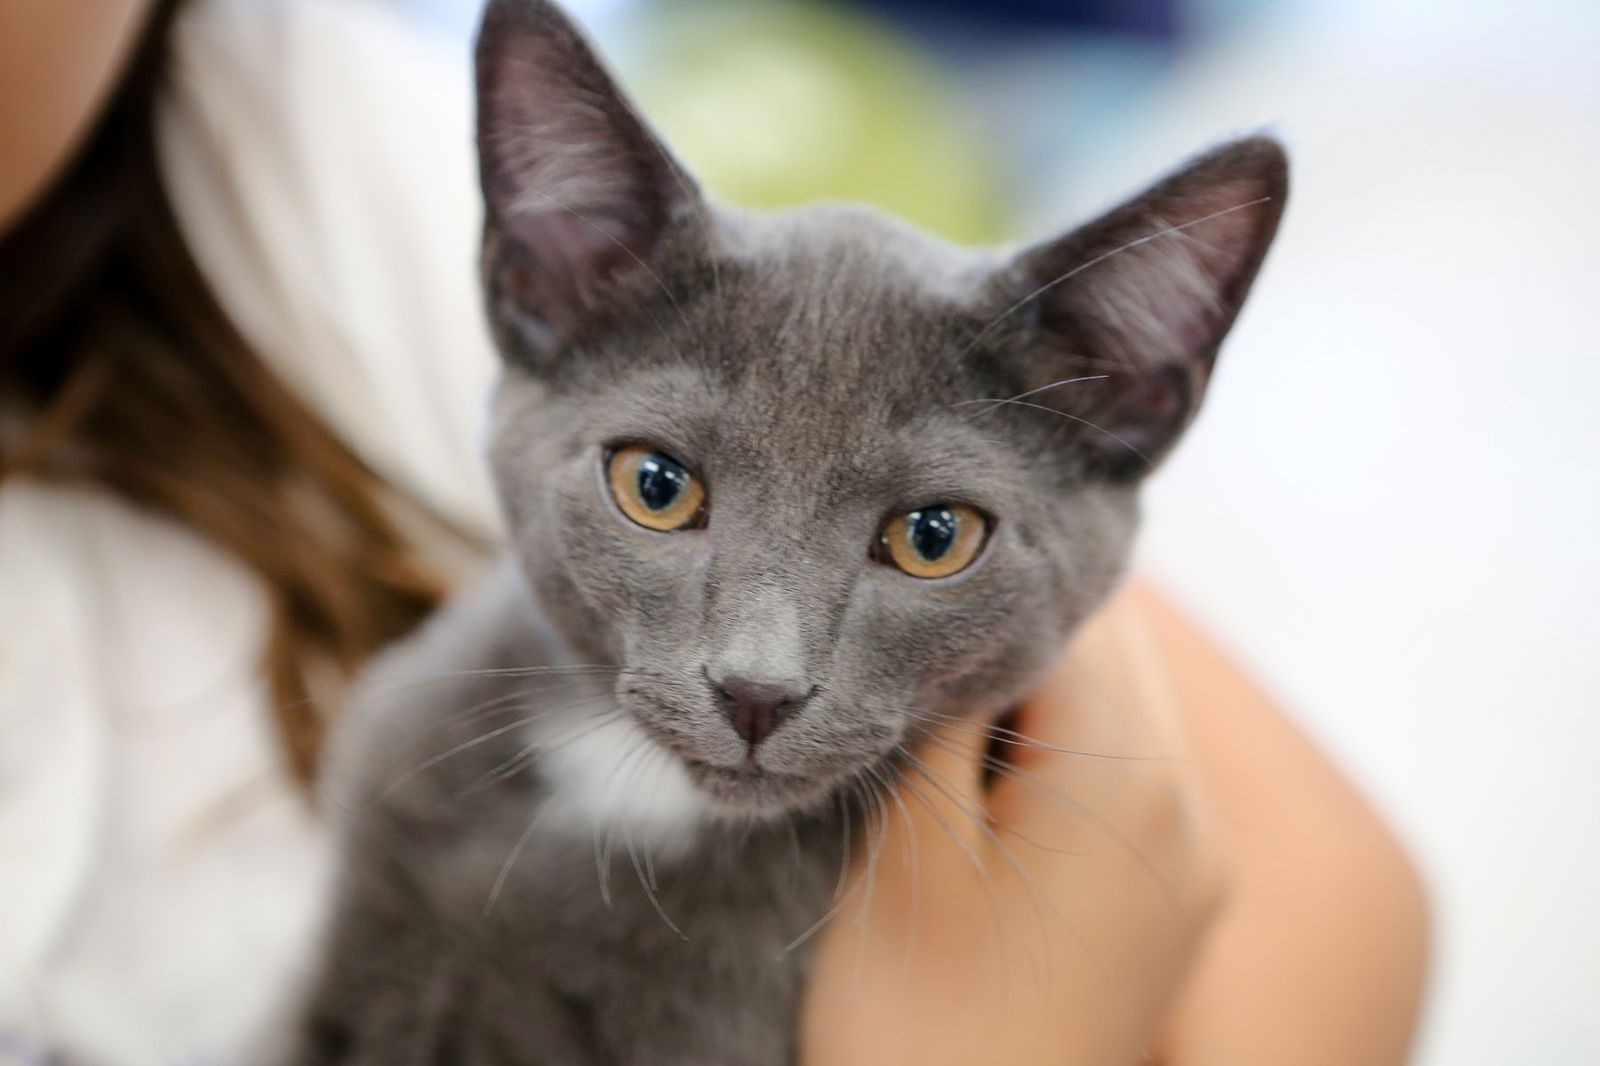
(1144,296)
(578,193)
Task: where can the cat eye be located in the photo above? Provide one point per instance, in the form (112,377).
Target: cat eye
(654,489)
(935,541)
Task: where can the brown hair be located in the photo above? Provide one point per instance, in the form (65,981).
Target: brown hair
(119,369)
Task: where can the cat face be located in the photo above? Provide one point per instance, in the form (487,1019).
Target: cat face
(815,480)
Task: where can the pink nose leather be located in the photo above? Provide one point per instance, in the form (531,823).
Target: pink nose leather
(756,709)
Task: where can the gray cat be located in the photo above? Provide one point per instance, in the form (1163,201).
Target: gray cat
(783,490)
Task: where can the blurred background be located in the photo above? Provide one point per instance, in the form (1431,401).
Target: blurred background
(1389,508)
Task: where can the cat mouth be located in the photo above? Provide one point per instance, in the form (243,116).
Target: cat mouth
(743,785)
(747,784)
(746,770)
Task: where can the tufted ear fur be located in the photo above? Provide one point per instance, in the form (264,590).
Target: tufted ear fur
(1144,296)
(578,192)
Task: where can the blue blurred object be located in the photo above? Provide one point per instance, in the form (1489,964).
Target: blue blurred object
(1146,18)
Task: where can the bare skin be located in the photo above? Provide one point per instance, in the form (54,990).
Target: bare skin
(1320,952)
(1221,899)
(59,59)
(1217,896)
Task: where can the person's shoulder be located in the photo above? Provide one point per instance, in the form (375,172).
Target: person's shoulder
(358,33)
(142,785)
(45,531)
(319,156)
(107,599)
(323,148)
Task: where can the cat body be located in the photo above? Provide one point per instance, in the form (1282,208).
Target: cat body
(783,491)
(535,917)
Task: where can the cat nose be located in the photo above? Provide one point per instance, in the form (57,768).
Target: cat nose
(757,708)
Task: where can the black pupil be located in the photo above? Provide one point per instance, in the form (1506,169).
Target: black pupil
(932,532)
(661,481)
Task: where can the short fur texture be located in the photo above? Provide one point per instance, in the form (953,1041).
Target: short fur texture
(559,850)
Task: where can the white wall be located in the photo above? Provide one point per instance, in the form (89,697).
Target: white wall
(1391,506)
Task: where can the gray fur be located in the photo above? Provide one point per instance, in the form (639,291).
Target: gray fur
(820,371)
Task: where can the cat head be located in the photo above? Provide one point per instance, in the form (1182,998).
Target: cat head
(814,479)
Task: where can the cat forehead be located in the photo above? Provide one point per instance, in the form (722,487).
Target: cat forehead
(815,336)
(850,252)
(837,307)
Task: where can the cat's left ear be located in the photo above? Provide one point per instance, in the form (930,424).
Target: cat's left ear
(579,194)
(1144,296)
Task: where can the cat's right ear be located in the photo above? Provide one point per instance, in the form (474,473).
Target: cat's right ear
(578,193)
(1128,311)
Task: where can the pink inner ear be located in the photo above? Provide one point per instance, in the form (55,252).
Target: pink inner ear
(587,246)
(1159,280)
(1142,414)
(1152,399)
(1170,297)
(577,189)
(549,139)
(562,261)
(1145,294)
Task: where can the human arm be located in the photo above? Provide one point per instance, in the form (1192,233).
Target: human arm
(1191,912)
(1319,955)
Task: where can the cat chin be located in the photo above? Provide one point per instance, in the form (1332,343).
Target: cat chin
(753,790)
(619,773)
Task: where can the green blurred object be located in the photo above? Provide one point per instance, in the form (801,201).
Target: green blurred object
(776,103)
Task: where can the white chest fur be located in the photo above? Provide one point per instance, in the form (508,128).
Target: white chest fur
(609,777)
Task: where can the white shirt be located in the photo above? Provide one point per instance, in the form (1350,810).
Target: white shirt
(160,876)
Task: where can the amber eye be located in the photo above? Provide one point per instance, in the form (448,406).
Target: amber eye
(934,541)
(654,489)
